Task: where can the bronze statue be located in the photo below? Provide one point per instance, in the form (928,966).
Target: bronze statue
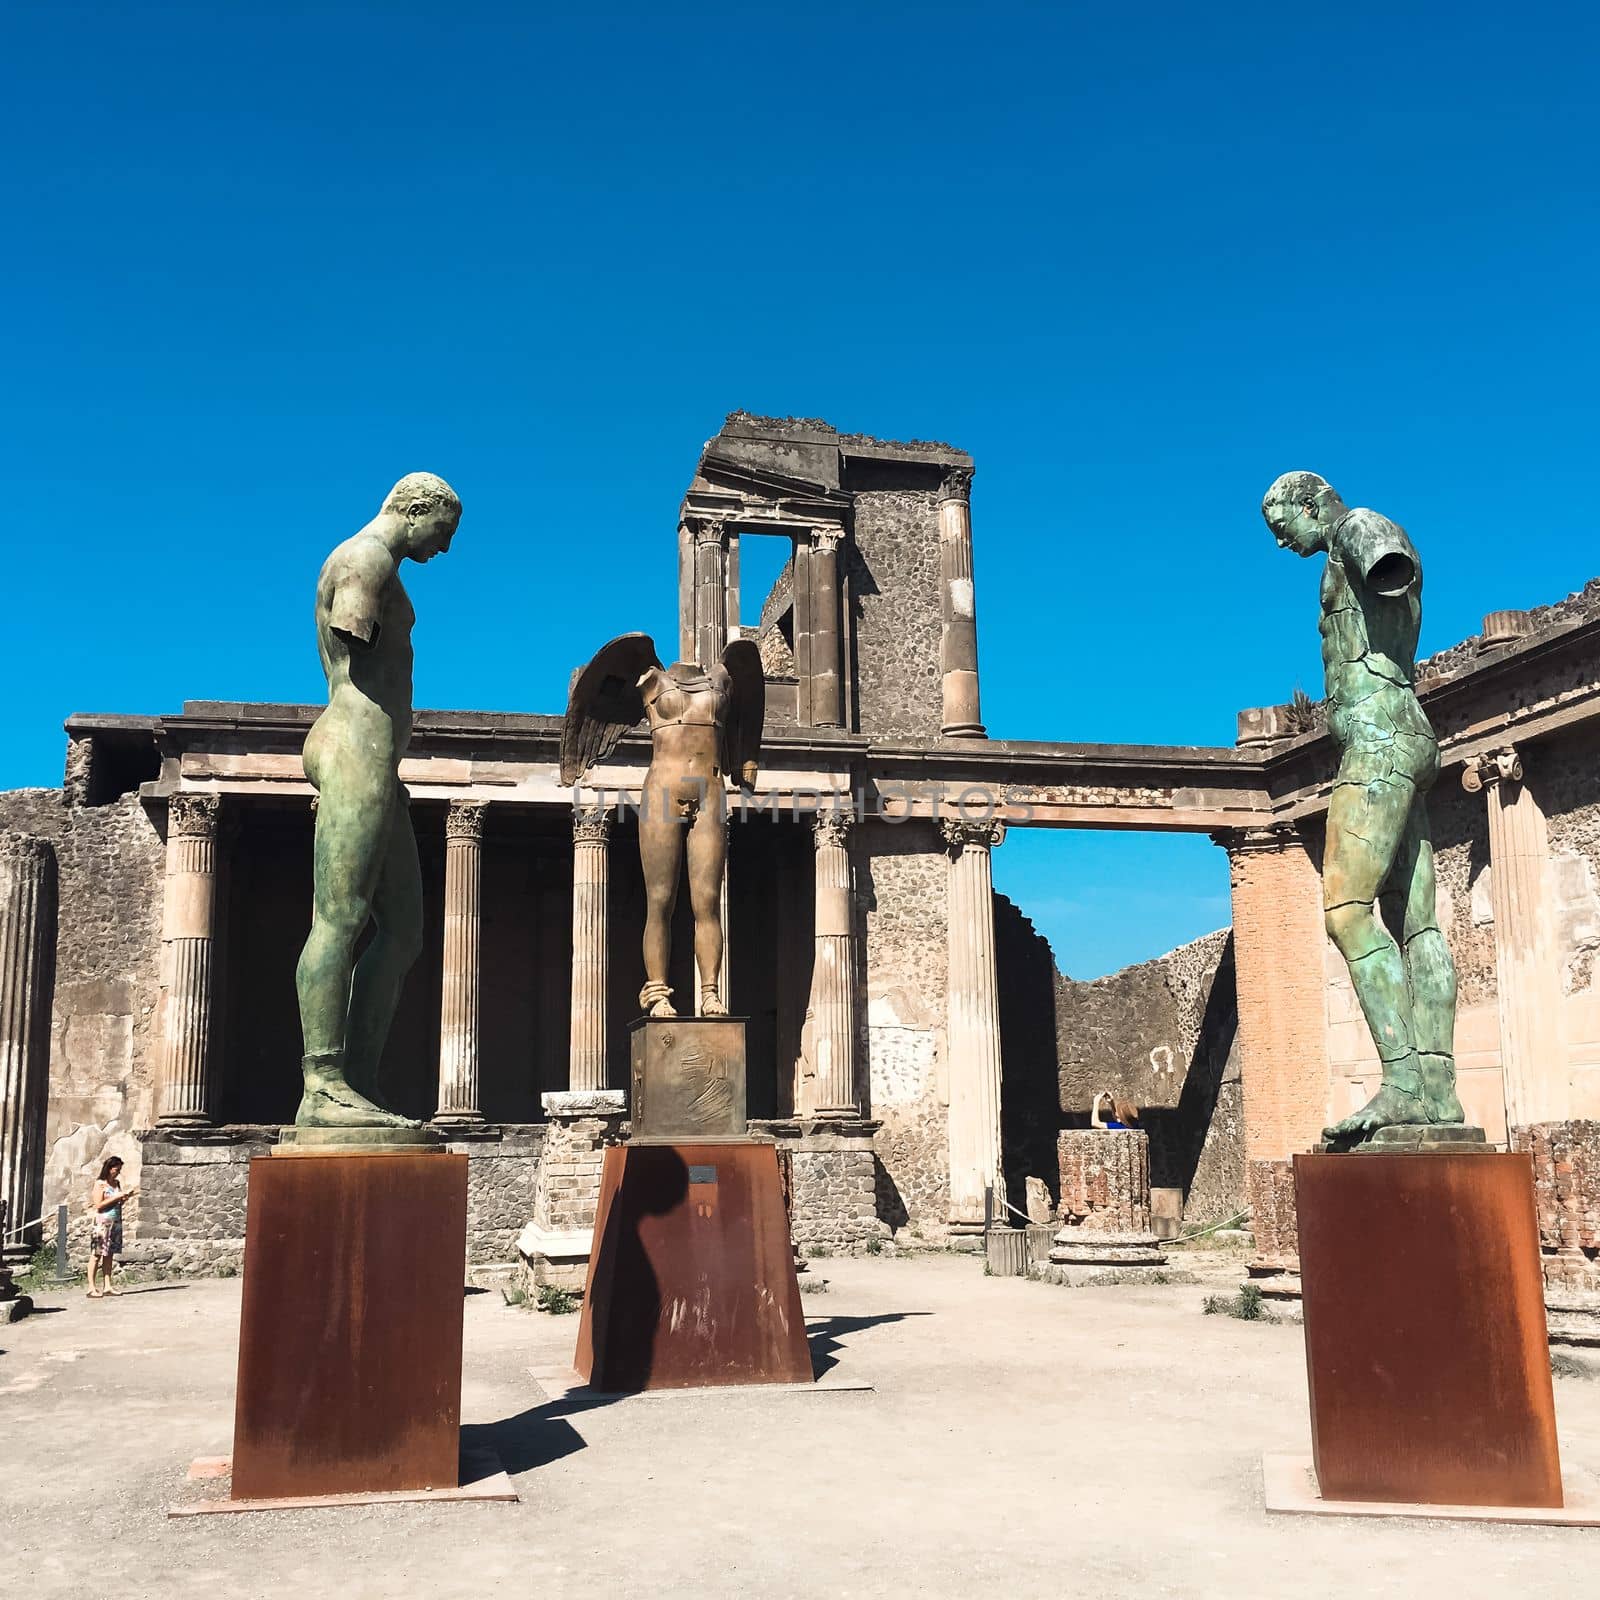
(1379,845)
(366,854)
(705,727)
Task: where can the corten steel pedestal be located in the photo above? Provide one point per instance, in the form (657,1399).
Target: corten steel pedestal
(1425,1330)
(692,1281)
(692,1278)
(350,1334)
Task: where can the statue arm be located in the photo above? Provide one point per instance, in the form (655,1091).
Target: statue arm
(356,605)
(1380,551)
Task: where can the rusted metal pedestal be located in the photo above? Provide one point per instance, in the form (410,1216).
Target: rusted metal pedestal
(350,1334)
(1425,1330)
(692,1280)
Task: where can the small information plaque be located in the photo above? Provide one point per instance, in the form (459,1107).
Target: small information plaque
(702,1174)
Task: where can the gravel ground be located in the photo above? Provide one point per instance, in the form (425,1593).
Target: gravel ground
(1022,1440)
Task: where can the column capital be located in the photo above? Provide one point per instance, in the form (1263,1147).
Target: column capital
(591,824)
(826,537)
(1492,767)
(193,816)
(956,484)
(706,530)
(463,819)
(832,828)
(961,832)
(1269,840)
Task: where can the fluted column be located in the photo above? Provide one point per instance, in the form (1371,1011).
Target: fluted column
(462,986)
(27,971)
(1533,1051)
(958,636)
(833,971)
(591,874)
(188,919)
(710,591)
(827,666)
(972,1027)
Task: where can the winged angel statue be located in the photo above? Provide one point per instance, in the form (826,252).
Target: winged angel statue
(705,726)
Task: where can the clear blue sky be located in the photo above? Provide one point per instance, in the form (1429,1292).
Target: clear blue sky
(1138,259)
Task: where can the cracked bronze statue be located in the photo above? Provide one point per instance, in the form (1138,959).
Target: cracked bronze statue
(705,728)
(1379,849)
(365,861)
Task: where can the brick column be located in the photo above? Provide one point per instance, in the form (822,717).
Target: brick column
(826,684)
(1533,1051)
(1279,946)
(27,972)
(187,920)
(972,1025)
(459,1004)
(591,836)
(958,630)
(710,591)
(833,971)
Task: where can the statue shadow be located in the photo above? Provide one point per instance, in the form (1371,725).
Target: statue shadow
(827,1335)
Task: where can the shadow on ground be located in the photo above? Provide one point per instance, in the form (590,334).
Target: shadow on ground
(826,1334)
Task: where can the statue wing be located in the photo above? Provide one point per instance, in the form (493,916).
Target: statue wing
(604,702)
(747,710)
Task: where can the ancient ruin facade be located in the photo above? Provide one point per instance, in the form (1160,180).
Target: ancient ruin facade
(912,1045)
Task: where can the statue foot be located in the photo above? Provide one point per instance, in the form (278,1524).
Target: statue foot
(663,1008)
(330,1102)
(656,998)
(1390,1107)
(711,1002)
(1439,1090)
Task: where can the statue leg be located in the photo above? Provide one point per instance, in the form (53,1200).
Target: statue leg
(1367,821)
(660,848)
(352,831)
(390,954)
(1409,901)
(708,857)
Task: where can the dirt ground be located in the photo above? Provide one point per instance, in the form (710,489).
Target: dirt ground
(1021,1440)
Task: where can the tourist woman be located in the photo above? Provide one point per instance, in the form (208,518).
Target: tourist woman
(106,1225)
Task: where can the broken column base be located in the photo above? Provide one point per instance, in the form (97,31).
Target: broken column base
(1101,1247)
(1573,1317)
(13,1306)
(555,1258)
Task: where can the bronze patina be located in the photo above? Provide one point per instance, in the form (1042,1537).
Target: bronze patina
(366,867)
(1379,847)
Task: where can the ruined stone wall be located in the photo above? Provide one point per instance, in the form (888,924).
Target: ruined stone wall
(1162,1035)
(901,874)
(193,1204)
(893,567)
(830,1180)
(104,1038)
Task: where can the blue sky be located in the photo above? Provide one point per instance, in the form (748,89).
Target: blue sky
(1137,259)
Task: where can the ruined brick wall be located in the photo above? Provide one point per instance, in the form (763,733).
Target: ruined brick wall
(1162,1034)
(893,567)
(901,875)
(104,1041)
(1566,1188)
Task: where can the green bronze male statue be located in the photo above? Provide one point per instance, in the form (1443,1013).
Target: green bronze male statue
(366,855)
(1379,846)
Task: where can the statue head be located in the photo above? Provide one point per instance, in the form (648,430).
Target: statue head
(430,509)
(1301,509)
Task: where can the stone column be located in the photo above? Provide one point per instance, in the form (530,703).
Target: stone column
(461,988)
(591,836)
(187,927)
(958,637)
(833,972)
(1533,1051)
(710,591)
(826,688)
(1105,1199)
(27,974)
(972,1026)
(1280,956)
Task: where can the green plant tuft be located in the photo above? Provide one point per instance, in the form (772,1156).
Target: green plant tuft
(558,1302)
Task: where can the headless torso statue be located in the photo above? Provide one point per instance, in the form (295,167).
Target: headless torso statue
(366,854)
(1379,848)
(705,728)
